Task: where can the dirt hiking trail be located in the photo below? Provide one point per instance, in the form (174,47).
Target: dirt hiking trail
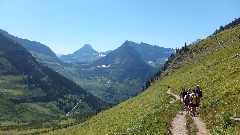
(179,122)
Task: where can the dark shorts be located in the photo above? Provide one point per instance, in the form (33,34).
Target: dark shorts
(186,103)
(193,105)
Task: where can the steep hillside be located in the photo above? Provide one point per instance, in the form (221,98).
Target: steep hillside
(212,63)
(31,92)
(148,113)
(40,51)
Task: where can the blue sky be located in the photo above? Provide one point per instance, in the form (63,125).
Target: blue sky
(66,25)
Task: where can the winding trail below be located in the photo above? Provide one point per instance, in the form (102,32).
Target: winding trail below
(202,130)
(179,122)
(178,125)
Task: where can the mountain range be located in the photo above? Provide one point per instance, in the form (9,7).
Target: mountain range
(107,75)
(153,55)
(116,77)
(120,74)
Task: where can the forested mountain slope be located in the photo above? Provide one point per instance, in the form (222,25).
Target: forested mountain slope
(31,92)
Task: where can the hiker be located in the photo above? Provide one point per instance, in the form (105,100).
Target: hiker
(194,102)
(199,92)
(182,94)
(186,101)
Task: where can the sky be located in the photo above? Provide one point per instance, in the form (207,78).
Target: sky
(66,25)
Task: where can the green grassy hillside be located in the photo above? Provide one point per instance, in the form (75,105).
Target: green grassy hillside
(149,112)
(213,63)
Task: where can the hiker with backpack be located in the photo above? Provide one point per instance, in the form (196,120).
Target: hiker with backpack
(186,101)
(199,92)
(194,102)
(182,94)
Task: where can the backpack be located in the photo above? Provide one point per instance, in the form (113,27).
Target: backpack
(194,99)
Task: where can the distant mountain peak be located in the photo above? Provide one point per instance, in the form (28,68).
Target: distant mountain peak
(129,42)
(127,50)
(86,49)
(123,55)
(83,54)
(87,46)
(125,44)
